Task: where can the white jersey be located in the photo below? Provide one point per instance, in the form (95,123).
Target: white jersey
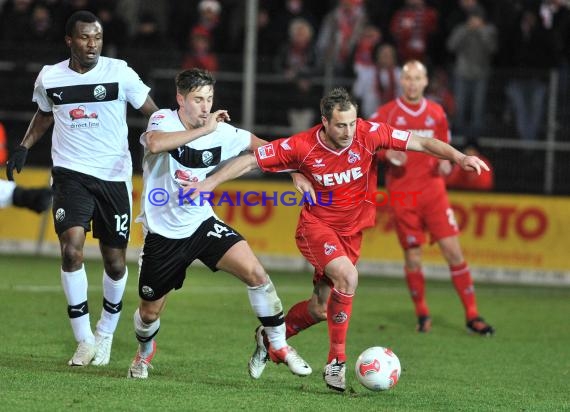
(163,209)
(90,133)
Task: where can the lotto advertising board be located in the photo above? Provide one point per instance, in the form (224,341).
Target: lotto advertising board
(504,237)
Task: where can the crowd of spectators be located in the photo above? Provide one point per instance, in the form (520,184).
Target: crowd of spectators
(461,42)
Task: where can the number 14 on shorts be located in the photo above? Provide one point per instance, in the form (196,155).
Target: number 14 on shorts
(220,230)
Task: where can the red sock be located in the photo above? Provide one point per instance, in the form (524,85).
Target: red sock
(461,278)
(339,308)
(416,286)
(298,318)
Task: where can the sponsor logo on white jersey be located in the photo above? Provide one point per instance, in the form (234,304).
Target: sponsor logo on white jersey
(185,175)
(81,112)
(156,119)
(82,118)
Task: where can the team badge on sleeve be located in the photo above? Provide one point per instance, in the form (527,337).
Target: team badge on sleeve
(401,135)
(265,151)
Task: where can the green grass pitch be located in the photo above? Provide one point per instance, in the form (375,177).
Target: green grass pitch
(206,339)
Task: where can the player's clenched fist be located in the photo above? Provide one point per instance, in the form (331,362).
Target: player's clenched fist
(16,161)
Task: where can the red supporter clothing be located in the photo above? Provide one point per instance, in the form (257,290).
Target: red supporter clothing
(432,211)
(3,146)
(412,28)
(341,178)
(462,179)
(206,61)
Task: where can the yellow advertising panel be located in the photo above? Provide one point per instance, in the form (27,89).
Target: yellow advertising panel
(498,231)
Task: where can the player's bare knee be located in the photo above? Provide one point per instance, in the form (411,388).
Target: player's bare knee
(453,257)
(115,269)
(413,259)
(256,276)
(148,314)
(71,257)
(347,282)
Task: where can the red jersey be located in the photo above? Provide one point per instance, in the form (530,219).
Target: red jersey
(341,178)
(426,119)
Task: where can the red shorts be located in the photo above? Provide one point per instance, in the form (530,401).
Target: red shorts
(320,244)
(432,214)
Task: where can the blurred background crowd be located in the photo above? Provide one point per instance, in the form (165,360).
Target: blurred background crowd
(499,68)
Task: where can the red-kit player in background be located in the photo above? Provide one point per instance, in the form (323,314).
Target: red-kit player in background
(432,213)
(338,158)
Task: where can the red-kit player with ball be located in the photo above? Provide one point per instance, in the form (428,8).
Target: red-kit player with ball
(337,157)
(433,213)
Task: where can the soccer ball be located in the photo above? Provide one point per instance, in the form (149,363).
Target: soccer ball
(378,368)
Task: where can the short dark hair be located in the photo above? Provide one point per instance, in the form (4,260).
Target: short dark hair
(82,16)
(192,79)
(339,99)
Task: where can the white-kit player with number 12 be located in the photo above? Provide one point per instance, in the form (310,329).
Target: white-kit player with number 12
(183,146)
(85,98)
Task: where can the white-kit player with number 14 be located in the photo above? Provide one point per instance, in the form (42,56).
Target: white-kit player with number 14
(85,98)
(183,146)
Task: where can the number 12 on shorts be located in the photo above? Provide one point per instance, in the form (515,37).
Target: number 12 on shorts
(121,224)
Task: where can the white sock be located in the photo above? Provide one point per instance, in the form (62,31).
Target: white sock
(145,333)
(75,289)
(112,303)
(267,306)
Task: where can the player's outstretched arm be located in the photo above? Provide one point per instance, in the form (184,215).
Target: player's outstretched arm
(37,128)
(158,141)
(437,148)
(234,168)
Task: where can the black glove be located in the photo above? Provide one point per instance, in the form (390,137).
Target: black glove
(17,160)
(37,200)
